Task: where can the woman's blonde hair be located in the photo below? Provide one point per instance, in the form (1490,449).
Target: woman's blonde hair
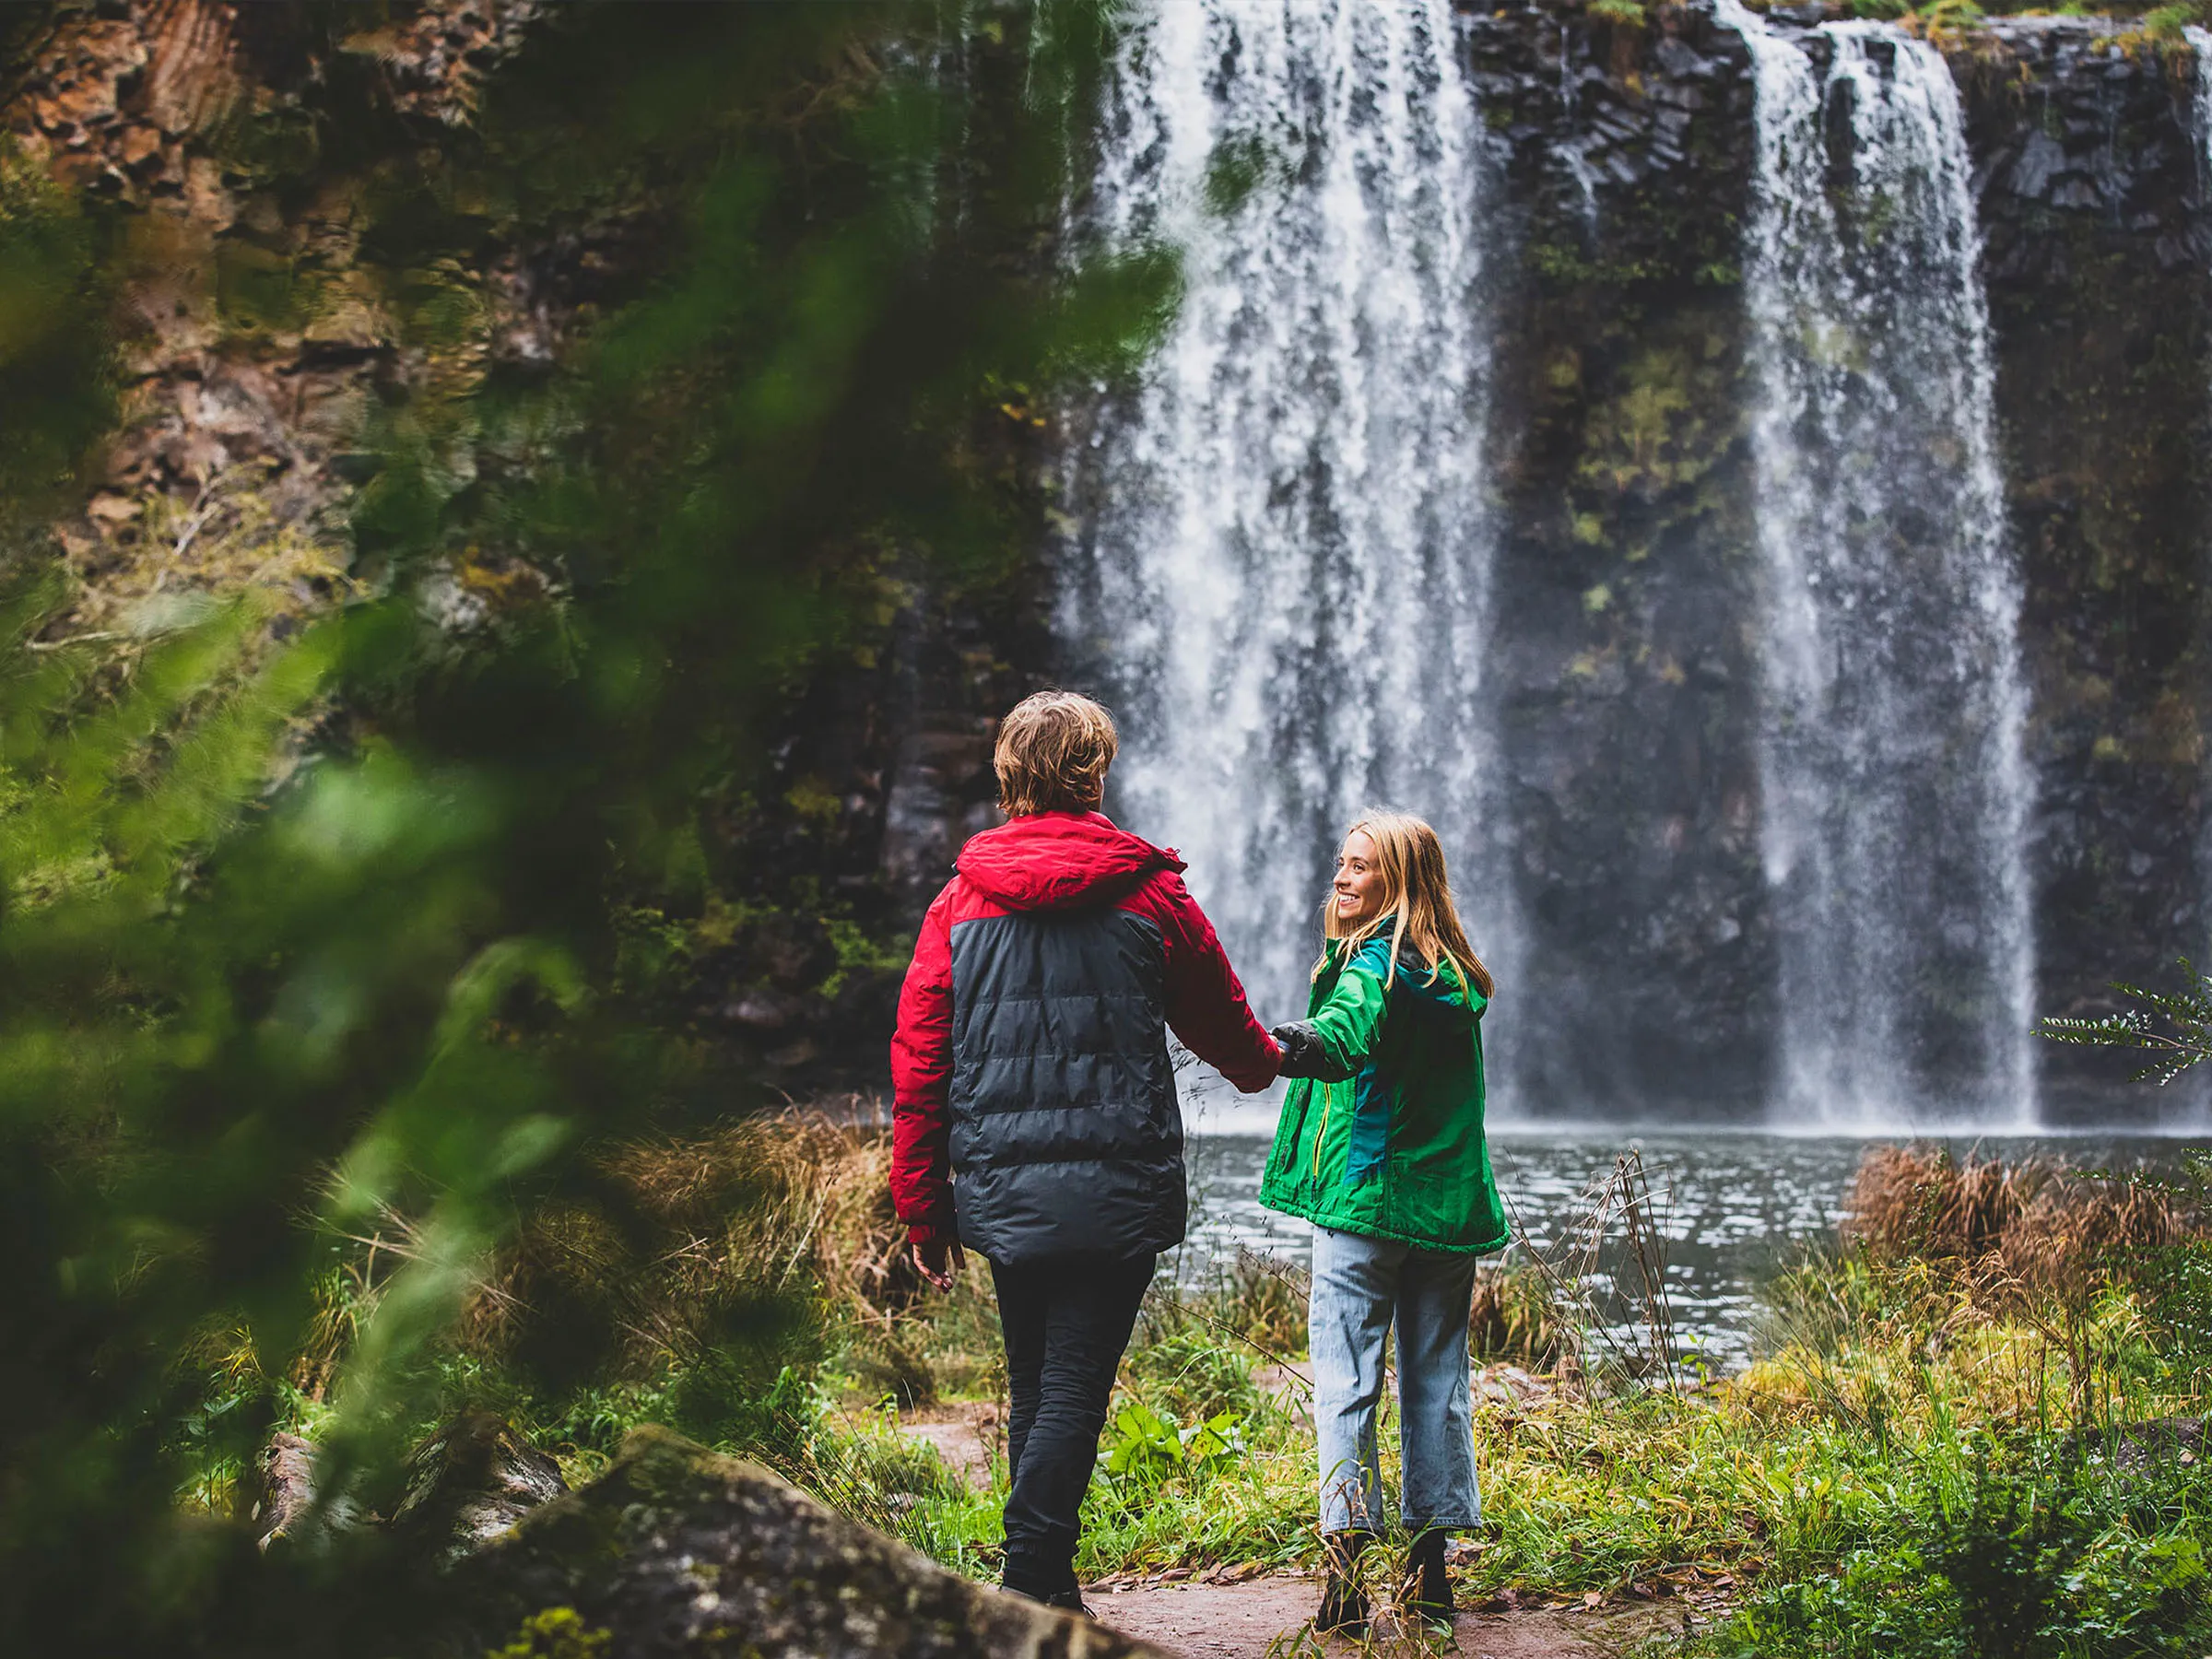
(1416,902)
(1052,752)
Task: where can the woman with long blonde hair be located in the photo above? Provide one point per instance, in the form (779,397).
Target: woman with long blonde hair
(1380,1146)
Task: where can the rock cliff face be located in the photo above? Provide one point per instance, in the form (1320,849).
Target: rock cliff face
(2093,208)
(266,340)
(1624,662)
(260,340)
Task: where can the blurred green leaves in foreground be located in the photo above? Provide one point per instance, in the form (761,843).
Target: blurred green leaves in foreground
(309,928)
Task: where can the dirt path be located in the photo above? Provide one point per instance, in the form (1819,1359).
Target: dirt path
(966,1435)
(1264,1618)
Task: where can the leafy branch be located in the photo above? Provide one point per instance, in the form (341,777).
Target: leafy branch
(2176,1026)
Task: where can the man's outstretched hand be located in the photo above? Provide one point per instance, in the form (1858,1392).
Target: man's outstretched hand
(939,1262)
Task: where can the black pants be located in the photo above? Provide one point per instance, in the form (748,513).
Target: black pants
(1066,1320)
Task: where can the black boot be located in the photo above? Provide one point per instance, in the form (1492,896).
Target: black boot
(1343,1603)
(1044,1576)
(1427,1593)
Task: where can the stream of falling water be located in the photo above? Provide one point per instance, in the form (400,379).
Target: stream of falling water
(1896,790)
(1279,560)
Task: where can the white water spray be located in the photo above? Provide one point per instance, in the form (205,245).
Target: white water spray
(1281,553)
(1896,790)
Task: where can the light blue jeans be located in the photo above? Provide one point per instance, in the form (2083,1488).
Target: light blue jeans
(1360,1287)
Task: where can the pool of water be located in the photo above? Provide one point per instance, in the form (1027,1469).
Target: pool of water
(1733,1205)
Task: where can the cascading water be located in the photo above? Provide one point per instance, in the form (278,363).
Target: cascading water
(1280,563)
(2200,43)
(1896,790)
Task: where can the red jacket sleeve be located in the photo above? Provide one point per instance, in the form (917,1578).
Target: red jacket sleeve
(920,1072)
(1206,1002)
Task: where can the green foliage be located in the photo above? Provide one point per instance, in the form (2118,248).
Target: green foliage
(556,1634)
(1143,1443)
(321,939)
(2167,22)
(1940,17)
(1192,1372)
(2176,1281)
(2176,1026)
(2020,1559)
(1626,12)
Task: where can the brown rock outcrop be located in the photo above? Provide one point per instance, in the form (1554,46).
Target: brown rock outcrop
(255,344)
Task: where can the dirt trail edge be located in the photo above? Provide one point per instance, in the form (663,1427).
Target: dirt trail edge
(1262,1615)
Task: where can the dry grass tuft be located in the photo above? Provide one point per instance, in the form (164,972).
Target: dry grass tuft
(785,1197)
(685,1234)
(2035,1226)
(2075,1225)
(1920,1202)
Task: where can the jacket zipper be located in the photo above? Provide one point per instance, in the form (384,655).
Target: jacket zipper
(1327,1092)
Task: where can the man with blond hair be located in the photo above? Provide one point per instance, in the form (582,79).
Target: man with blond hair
(1036,1121)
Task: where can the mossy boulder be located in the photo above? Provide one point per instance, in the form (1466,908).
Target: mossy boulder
(677,1551)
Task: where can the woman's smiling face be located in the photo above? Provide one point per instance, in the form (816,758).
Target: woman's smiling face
(1358,884)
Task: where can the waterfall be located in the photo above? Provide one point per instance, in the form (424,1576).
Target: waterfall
(1279,552)
(1896,790)
(2200,43)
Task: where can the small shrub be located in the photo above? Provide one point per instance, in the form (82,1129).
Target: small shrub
(556,1634)
(2168,21)
(1148,1445)
(1189,1372)
(1942,17)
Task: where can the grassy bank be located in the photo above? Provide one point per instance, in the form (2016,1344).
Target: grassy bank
(1968,1435)
(1970,1432)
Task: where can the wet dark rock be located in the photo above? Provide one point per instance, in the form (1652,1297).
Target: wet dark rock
(470,1482)
(678,1551)
(2040,156)
(286,1500)
(941,790)
(466,1484)
(1679,61)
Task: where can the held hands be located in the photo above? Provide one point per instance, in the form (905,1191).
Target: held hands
(939,1262)
(1303,1054)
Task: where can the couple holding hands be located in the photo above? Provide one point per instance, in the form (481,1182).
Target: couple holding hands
(1036,1124)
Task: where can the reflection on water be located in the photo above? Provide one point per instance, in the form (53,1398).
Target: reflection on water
(1734,1205)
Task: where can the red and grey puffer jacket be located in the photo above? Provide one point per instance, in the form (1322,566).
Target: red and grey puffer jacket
(1035,1106)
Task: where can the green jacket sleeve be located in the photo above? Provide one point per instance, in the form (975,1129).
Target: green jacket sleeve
(1349,1024)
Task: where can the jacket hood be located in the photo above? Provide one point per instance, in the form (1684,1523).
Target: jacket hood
(1442,996)
(1058,860)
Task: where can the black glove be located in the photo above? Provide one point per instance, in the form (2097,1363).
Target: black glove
(1303,1056)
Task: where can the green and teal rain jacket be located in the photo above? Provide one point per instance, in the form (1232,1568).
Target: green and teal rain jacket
(1393,1148)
